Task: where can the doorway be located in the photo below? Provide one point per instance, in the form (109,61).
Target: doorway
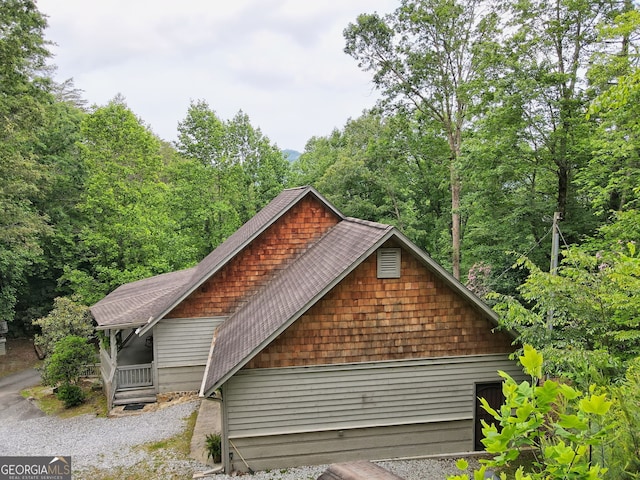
(492,393)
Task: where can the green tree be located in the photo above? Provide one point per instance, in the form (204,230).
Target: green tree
(264,167)
(240,171)
(613,174)
(386,169)
(547,54)
(57,152)
(592,329)
(426,56)
(23,96)
(127,232)
(64,367)
(66,318)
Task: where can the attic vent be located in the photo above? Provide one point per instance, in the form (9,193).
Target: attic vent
(389,263)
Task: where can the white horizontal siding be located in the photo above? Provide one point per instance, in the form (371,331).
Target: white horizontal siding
(181,342)
(333,397)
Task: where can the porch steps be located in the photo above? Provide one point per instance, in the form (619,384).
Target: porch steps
(127,396)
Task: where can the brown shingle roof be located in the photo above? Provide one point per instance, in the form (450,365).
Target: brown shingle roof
(147,301)
(134,303)
(288,295)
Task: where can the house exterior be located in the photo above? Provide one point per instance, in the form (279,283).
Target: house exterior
(326,338)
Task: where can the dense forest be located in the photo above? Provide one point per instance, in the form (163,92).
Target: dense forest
(492,118)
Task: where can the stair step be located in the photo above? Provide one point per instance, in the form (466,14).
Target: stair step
(127,401)
(135,392)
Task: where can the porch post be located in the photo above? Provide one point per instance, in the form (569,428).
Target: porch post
(114,347)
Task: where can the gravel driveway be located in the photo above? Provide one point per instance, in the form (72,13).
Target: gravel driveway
(94,442)
(110,444)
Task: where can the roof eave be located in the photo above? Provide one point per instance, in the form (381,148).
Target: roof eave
(117,326)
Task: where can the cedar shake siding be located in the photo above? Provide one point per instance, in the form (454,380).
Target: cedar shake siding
(252,268)
(366,319)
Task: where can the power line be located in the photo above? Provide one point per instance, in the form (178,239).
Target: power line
(528,252)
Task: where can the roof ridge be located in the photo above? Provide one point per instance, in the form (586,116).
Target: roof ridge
(369,223)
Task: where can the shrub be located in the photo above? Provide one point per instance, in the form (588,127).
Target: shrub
(558,423)
(214,447)
(65,364)
(71,395)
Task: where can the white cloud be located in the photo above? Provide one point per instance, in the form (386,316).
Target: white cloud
(280,61)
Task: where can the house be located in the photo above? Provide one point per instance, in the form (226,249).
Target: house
(327,339)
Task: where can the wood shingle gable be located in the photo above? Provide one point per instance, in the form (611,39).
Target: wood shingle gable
(145,302)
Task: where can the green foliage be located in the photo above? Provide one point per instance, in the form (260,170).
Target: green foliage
(65,364)
(387,170)
(66,318)
(585,319)
(230,170)
(126,231)
(426,57)
(71,395)
(214,447)
(622,451)
(557,422)
(23,98)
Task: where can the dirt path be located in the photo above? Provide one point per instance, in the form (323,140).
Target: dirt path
(20,356)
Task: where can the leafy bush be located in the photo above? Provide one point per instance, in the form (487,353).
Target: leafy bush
(66,362)
(66,318)
(214,447)
(556,422)
(71,395)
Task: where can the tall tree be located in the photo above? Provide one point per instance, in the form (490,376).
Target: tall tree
(549,50)
(613,174)
(424,57)
(387,169)
(264,167)
(23,97)
(127,230)
(241,171)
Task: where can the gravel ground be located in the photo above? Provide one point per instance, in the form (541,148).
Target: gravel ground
(94,442)
(427,469)
(109,444)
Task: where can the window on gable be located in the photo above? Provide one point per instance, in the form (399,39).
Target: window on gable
(389,263)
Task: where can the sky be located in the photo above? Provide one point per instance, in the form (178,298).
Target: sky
(279,61)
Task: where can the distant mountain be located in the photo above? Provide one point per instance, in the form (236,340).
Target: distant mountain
(291,155)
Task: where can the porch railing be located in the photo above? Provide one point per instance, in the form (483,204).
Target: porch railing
(90,371)
(130,376)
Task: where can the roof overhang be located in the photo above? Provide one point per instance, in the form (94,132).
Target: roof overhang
(121,326)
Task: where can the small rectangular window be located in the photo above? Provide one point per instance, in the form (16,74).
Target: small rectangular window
(389,263)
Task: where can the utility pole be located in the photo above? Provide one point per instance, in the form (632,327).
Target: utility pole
(555,251)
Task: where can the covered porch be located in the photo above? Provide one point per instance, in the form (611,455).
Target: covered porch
(127,367)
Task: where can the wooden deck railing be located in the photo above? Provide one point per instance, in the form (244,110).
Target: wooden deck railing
(130,376)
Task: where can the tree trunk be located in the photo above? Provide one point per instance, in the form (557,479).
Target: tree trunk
(455,219)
